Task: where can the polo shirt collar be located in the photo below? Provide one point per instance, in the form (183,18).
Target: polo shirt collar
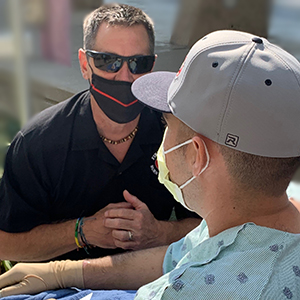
(86,136)
(85,133)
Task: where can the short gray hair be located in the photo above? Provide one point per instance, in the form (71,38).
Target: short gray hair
(116,15)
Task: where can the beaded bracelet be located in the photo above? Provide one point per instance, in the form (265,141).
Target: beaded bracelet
(76,234)
(84,241)
(82,236)
(79,230)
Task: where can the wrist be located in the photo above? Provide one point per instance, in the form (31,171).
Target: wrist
(68,273)
(80,238)
(88,231)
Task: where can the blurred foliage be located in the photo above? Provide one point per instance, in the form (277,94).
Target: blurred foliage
(5,265)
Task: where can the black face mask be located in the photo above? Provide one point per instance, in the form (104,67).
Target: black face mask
(115,99)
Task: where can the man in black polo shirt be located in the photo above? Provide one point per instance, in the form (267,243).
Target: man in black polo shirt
(74,175)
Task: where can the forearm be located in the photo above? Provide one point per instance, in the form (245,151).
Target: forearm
(127,271)
(41,243)
(173,231)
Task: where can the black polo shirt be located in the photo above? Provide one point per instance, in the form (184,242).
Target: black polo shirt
(58,168)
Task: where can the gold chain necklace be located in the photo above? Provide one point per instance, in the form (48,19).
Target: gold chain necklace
(126,138)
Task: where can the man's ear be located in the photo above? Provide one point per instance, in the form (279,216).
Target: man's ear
(154,63)
(83,64)
(201,155)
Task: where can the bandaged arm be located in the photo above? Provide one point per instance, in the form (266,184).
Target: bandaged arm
(127,271)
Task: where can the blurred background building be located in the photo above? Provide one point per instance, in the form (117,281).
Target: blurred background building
(39,40)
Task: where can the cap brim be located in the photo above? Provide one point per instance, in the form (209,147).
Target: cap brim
(152,90)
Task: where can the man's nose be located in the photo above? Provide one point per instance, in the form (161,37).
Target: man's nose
(124,74)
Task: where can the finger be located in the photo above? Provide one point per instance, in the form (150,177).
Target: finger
(119,205)
(121,235)
(11,277)
(31,284)
(120,213)
(119,224)
(133,200)
(126,245)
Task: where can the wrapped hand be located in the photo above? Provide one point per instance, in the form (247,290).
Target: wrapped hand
(32,278)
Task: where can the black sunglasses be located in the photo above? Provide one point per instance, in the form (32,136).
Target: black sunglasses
(112,63)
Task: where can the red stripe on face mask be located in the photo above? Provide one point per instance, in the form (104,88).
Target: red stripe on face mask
(112,98)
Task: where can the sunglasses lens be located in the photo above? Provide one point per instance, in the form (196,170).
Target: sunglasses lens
(141,64)
(108,63)
(113,63)
(115,66)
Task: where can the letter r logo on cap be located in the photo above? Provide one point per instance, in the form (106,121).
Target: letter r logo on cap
(231,140)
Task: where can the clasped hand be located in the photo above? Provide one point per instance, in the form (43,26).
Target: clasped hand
(127,225)
(134,228)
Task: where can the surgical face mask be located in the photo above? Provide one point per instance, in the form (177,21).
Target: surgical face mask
(164,173)
(115,99)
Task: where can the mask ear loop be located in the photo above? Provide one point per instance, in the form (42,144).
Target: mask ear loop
(205,167)
(178,146)
(207,156)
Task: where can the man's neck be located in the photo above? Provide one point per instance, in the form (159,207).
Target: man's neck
(273,212)
(108,128)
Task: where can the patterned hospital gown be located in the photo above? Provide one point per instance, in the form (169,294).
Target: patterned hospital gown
(244,262)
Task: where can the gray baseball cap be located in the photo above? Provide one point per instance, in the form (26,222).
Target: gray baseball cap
(236,89)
